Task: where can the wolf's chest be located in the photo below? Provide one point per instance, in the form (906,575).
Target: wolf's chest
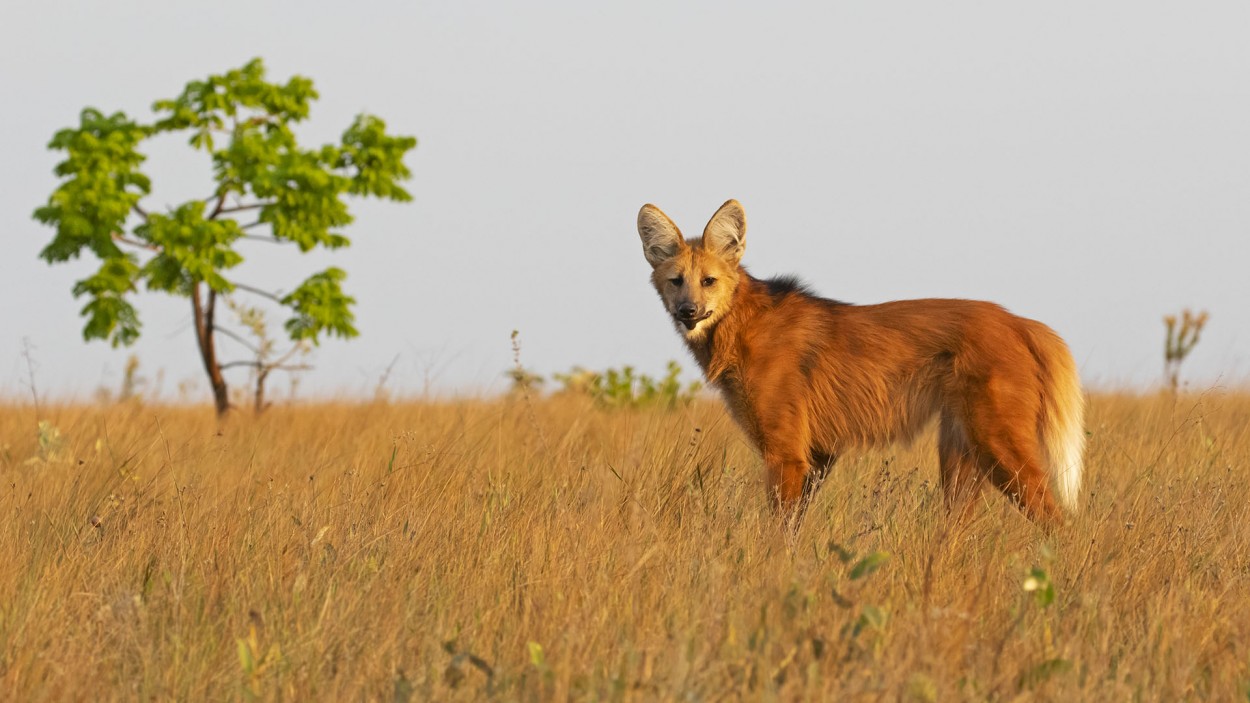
(738,402)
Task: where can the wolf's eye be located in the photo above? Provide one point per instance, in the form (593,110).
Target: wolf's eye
(708,282)
(675,281)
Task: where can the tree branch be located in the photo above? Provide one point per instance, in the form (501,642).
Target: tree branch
(234,364)
(267,367)
(119,237)
(217,209)
(241,208)
(270,240)
(290,353)
(238,338)
(256,291)
(142,213)
(257,223)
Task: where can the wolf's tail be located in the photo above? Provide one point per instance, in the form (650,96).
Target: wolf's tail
(1061,426)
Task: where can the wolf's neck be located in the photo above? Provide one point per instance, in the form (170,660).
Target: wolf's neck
(718,350)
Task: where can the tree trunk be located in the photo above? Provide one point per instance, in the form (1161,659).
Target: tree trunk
(204,335)
(262,373)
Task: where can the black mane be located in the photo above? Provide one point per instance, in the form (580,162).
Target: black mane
(781,286)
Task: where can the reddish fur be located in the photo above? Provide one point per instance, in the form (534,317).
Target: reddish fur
(809,379)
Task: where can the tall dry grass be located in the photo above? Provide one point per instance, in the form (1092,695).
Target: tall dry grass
(552,551)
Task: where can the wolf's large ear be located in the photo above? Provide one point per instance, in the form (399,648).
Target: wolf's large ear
(661,240)
(726,233)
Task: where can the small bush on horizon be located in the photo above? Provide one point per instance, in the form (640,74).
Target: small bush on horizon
(1182,336)
(613,388)
(626,388)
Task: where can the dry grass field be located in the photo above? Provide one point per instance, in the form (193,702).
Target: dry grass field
(550,550)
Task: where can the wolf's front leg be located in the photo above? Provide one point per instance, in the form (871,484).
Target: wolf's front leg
(821,463)
(787,474)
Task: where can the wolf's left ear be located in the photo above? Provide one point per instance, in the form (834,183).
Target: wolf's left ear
(726,233)
(661,240)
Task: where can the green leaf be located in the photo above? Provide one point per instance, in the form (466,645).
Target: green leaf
(375,159)
(110,317)
(211,103)
(868,564)
(191,249)
(870,618)
(101,185)
(246,661)
(536,654)
(320,306)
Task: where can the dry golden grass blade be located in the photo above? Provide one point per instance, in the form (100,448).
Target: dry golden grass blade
(552,550)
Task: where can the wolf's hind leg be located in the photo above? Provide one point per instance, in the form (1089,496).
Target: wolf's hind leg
(961,476)
(1003,429)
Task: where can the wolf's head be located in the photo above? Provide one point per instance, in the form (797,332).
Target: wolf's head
(695,278)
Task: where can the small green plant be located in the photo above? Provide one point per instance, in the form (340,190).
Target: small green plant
(1038,583)
(1042,589)
(546,677)
(864,635)
(256,660)
(1182,337)
(625,388)
(51,445)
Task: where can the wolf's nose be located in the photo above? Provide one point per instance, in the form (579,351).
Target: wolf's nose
(685,311)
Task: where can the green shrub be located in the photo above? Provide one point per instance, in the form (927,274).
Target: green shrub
(626,388)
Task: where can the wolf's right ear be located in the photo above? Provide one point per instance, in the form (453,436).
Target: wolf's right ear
(726,232)
(661,240)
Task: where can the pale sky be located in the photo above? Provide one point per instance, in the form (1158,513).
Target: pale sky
(1083,164)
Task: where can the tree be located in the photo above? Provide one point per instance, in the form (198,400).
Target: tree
(288,194)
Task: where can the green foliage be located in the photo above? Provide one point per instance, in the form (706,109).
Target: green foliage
(101,185)
(320,305)
(625,388)
(537,658)
(256,661)
(51,445)
(244,122)
(189,248)
(868,564)
(1042,589)
(863,636)
(1038,583)
(109,315)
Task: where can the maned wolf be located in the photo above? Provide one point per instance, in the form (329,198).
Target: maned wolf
(809,378)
